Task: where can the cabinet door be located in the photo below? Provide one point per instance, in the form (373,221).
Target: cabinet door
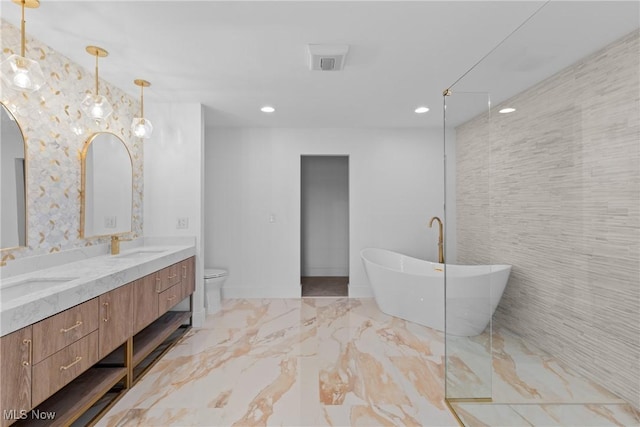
(145,299)
(188,276)
(116,314)
(15,370)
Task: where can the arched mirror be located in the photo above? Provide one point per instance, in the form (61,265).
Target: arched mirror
(107,186)
(13,182)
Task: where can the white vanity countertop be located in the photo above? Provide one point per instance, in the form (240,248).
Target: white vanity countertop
(28,298)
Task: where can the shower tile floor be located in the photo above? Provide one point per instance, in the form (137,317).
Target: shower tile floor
(335,362)
(528,386)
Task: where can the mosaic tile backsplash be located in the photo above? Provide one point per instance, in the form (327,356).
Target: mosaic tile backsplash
(55,130)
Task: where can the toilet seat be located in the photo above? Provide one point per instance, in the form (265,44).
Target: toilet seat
(212,273)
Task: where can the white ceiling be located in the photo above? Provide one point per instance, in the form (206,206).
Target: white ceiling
(235,56)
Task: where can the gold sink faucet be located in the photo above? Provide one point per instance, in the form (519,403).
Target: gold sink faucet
(440,238)
(115,244)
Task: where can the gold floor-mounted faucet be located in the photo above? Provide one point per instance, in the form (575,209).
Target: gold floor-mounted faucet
(440,238)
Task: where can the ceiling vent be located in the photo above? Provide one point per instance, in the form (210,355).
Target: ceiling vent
(327,57)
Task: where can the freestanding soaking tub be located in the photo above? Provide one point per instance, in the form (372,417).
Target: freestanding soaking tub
(413,289)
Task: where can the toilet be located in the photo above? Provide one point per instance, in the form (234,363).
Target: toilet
(213,280)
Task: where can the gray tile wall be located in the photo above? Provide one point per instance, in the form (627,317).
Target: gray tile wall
(554,190)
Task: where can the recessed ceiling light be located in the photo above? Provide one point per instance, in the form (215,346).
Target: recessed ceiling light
(421,110)
(507,110)
(267,109)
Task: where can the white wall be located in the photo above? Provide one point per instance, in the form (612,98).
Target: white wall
(173,180)
(395,183)
(325,216)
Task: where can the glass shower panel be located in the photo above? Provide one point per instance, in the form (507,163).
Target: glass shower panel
(468,278)
(550,189)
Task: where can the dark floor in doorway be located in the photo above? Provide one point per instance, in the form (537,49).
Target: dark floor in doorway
(323,286)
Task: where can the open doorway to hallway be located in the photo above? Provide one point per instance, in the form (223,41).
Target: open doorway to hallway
(324,213)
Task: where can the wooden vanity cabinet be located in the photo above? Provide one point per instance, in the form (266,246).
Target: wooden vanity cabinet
(16,351)
(116,313)
(52,364)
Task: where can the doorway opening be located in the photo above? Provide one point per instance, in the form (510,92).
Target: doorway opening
(324,223)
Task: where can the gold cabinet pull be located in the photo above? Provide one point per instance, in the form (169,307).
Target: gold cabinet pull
(158,282)
(106,311)
(171,297)
(184,271)
(24,362)
(173,276)
(65,330)
(64,368)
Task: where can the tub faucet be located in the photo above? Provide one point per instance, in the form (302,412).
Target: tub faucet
(440,239)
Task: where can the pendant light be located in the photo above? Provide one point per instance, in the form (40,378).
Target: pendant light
(95,105)
(18,71)
(141,127)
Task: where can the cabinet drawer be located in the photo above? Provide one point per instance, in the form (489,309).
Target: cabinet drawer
(57,332)
(169,298)
(168,277)
(60,369)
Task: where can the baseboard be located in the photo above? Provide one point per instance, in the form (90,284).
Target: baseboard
(249,292)
(255,292)
(198,318)
(360,292)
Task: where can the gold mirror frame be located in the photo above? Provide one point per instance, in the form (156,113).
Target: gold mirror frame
(26,182)
(83,180)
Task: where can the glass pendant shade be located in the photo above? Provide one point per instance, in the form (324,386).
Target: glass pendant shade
(141,127)
(17,71)
(96,106)
(22,74)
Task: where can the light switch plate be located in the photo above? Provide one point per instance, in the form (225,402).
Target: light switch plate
(110,222)
(182,223)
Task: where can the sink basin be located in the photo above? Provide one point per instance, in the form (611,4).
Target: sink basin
(29,286)
(140,253)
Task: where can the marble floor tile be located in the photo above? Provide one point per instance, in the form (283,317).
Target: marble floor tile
(481,415)
(523,373)
(314,362)
(510,370)
(560,415)
(591,415)
(342,362)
